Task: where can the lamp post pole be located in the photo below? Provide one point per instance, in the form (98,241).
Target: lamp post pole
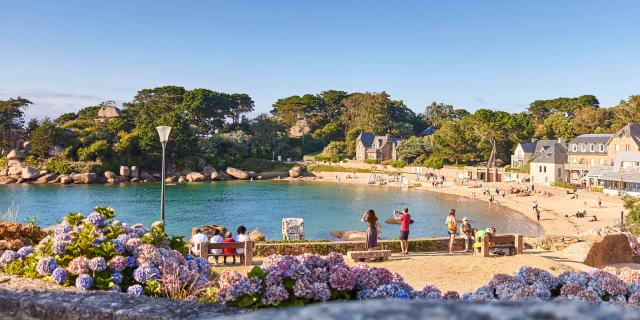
(163,133)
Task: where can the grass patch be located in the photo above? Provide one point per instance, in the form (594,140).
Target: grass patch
(564,185)
(261,165)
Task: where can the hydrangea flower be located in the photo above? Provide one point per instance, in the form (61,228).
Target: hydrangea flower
(580,278)
(342,279)
(123,237)
(24,251)
(131,262)
(116,277)
(117,263)
(97,264)
(84,282)
(633,287)
(46,265)
(429,293)
(229,277)
(119,245)
(402,294)
(60,247)
(451,295)
(364,294)
(532,275)
(274,295)
(145,273)
(132,245)
(135,290)
(202,264)
(232,291)
(8,256)
(115,288)
(59,275)
(99,240)
(635,299)
(63,227)
(78,265)
(335,259)
(95,218)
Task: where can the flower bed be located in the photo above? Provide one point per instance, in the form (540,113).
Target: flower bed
(296,281)
(97,252)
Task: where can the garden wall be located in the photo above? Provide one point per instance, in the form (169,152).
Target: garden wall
(326,247)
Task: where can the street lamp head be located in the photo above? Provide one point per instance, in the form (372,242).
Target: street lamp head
(163,132)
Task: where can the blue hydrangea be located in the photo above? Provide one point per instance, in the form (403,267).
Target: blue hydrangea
(59,275)
(97,264)
(189,257)
(580,278)
(633,287)
(135,290)
(46,265)
(99,240)
(116,277)
(145,273)
(365,294)
(95,218)
(402,294)
(25,251)
(203,264)
(119,245)
(84,282)
(8,256)
(131,262)
(61,228)
(59,247)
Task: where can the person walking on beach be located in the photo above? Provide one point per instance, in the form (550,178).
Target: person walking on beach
(535,205)
(372,232)
(452,227)
(405,221)
(599,202)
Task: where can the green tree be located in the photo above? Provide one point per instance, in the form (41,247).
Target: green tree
(44,137)
(591,119)
(558,125)
(455,141)
(414,147)
(241,104)
(437,113)
(206,109)
(268,135)
(540,109)
(627,111)
(11,117)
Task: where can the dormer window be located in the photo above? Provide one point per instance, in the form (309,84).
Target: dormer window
(601,147)
(574,147)
(592,147)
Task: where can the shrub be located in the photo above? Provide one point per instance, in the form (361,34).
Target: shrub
(564,185)
(4,162)
(596,189)
(398,164)
(370,161)
(433,162)
(59,166)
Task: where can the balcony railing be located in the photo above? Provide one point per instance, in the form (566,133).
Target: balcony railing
(587,167)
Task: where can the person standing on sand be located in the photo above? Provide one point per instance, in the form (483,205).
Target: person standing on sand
(405,221)
(599,202)
(371,219)
(452,227)
(466,232)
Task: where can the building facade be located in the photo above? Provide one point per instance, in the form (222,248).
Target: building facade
(525,150)
(548,165)
(626,139)
(586,153)
(378,148)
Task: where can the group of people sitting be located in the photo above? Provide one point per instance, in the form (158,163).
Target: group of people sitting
(467,232)
(200,237)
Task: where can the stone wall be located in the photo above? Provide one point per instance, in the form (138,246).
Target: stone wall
(325,247)
(549,243)
(600,252)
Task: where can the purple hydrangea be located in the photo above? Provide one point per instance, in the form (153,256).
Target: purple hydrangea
(202,264)
(59,275)
(145,273)
(99,240)
(63,227)
(532,275)
(8,256)
(451,295)
(78,265)
(342,279)
(24,251)
(634,299)
(231,289)
(274,295)
(189,257)
(97,264)
(335,259)
(135,290)
(95,218)
(364,294)
(392,290)
(131,262)
(119,245)
(116,277)
(60,247)
(84,282)
(633,287)
(132,245)
(123,237)
(429,293)
(580,278)
(46,265)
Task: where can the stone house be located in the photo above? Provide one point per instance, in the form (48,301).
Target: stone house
(525,150)
(626,139)
(548,166)
(587,152)
(378,148)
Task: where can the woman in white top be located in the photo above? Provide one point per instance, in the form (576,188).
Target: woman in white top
(197,238)
(217,238)
(242,237)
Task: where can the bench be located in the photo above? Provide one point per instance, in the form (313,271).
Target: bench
(366,256)
(512,242)
(205,250)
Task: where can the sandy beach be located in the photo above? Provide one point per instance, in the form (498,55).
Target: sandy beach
(552,209)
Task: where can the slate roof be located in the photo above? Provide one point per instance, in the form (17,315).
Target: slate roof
(428,131)
(536,146)
(557,153)
(593,138)
(369,140)
(634,131)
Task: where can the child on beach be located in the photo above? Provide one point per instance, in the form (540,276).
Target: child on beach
(229,238)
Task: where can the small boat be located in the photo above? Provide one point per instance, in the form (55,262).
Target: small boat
(392,220)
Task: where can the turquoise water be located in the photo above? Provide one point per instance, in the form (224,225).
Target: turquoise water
(260,205)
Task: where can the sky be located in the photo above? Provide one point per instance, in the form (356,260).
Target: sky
(65,55)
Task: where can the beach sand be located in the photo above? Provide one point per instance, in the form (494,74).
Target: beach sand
(552,209)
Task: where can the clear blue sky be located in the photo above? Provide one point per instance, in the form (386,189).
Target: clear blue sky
(498,54)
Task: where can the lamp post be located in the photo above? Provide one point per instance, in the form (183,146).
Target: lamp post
(163,133)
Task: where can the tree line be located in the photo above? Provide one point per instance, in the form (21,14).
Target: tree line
(213,128)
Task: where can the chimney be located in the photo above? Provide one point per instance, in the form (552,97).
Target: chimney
(534,139)
(561,141)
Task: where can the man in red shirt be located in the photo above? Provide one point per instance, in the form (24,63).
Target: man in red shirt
(405,221)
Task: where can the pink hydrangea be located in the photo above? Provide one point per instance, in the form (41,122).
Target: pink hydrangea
(78,266)
(117,263)
(342,279)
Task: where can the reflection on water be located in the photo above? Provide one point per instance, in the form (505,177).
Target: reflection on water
(261,205)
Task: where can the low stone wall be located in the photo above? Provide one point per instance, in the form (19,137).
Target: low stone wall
(326,247)
(103,305)
(550,243)
(599,252)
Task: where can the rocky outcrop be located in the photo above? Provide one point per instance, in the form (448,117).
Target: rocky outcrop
(47,177)
(135,172)
(182,179)
(550,243)
(110,175)
(14,170)
(4,172)
(146,176)
(195,177)
(350,235)
(598,253)
(15,155)
(297,171)
(220,176)
(66,179)
(207,170)
(237,173)
(125,171)
(8,180)
(30,173)
(257,236)
(84,178)
(171,179)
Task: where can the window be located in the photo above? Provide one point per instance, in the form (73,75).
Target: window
(592,147)
(574,147)
(601,147)
(559,172)
(545,169)
(540,169)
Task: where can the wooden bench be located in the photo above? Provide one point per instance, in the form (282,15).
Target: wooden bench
(366,256)
(512,242)
(205,250)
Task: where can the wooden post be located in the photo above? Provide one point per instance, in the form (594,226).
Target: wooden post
(203,250)
(485,246)
(248,253)
(519,243)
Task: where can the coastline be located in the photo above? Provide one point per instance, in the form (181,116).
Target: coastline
(552,209)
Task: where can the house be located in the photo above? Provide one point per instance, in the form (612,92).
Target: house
(626,139)
(587,152)
(525,150)
(378,148)
(624,177)
(548,165)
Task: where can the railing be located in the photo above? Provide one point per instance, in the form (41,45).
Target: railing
(585,167)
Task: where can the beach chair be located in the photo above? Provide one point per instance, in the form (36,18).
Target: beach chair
(292,227)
